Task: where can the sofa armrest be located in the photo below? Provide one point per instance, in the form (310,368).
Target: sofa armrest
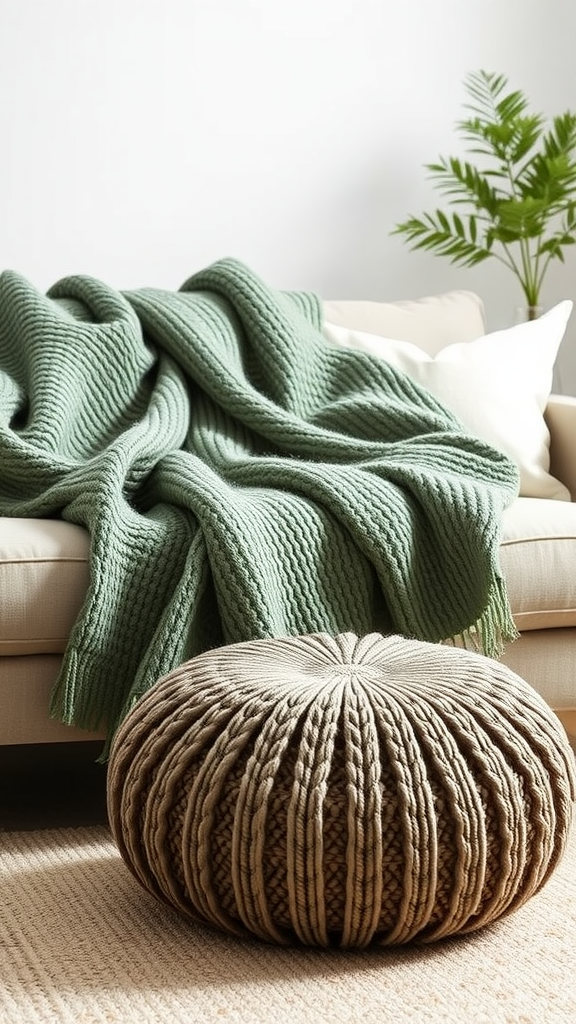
(560,416)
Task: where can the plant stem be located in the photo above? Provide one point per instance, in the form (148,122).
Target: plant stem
(528,277)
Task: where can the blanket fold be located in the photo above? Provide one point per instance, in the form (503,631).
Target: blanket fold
(239,478)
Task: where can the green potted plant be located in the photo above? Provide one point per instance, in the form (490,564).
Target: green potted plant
(519,205)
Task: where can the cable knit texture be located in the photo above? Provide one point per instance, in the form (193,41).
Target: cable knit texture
(342,790)
(239,478)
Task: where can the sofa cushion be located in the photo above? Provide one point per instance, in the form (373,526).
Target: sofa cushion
(538,558)
(431,322)
(44,574)
(497,385)
(43,582)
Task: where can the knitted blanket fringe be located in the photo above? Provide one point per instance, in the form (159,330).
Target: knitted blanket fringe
(239,478)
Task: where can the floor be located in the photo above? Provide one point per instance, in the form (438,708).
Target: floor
(52,785)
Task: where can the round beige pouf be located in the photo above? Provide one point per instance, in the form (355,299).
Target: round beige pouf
(341,791)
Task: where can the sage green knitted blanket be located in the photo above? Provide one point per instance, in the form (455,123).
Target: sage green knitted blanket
(239,478)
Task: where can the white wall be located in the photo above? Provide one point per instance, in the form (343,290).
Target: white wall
(141,140)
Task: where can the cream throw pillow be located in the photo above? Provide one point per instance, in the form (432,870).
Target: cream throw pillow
(497,386)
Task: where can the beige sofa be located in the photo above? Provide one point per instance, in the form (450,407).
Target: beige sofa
(44,564)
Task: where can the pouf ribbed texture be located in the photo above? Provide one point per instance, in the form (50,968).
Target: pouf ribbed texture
(341,790)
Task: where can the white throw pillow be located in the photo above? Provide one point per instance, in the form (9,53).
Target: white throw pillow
(497,385)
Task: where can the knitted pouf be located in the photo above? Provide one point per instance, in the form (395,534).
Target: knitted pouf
(341,791)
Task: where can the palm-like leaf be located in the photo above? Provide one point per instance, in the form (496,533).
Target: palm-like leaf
(452,237)
(463,183)
(521,202)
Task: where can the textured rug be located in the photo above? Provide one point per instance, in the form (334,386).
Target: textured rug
(81,943)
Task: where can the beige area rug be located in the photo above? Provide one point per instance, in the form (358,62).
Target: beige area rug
(81,942)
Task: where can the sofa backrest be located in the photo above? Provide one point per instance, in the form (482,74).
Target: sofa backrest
(431,322)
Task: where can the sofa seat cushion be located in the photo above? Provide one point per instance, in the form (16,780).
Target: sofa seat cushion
(538,557)
(43,582)
(44,568)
